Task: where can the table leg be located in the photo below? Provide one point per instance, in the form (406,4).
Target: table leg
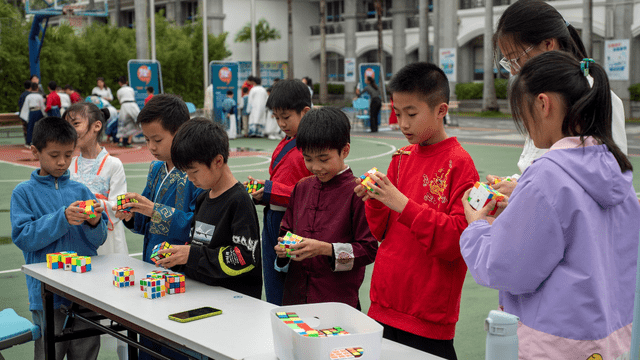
(133,352)
(49,330)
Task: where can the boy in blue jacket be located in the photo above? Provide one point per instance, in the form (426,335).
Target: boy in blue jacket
(45,218)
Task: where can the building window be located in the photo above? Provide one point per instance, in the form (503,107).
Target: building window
(127,18)
(370,8)
(190,10)
(335,9)
(335,66)
(371,56)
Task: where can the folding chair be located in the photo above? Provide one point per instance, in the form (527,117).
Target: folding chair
(15,330)
(361,106)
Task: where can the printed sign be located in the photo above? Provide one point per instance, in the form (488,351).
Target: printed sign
(448,63)
(375,71)
(224,77)
(616,59)
(269,70)
(144,73)
(350,69)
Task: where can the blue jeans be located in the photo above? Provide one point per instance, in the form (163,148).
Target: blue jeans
(273,280)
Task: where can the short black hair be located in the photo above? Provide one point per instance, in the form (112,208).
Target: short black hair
(289,95)
(122,79)
(250,78)
(170,110)
(34,86)
(199,140)
(323,128)
(68,87)
(150,89)
(100,78)
(229,92)
(27,84)
(52,85)
(257,80)
(245,89)
(53,129)
(426,80)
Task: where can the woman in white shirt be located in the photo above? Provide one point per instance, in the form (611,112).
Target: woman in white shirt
(102,90)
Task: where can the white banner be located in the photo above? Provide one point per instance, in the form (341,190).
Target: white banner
(616,59)
(448,63)
(350,69)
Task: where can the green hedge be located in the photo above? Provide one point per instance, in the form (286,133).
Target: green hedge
(634,91)
(101,50)
(473,90)
(333,89)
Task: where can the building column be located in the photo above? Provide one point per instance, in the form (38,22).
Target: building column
(350,25)
(622,20)
(171,10)
(448,33)
(399,14)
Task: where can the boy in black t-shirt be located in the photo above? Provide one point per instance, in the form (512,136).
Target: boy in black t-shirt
(225,234)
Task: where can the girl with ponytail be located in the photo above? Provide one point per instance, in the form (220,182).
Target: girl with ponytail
(526,29)
(563,253)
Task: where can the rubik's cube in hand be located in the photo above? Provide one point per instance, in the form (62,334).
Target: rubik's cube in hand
(366,179)
(253,186)
(89,208)
(288,240)
(122,200)
(481,194)
(154,253)
(152,288)
(123,277)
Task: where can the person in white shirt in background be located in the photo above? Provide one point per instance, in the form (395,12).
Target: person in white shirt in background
(128,115)
(33,110)
(65,100)
(102,90)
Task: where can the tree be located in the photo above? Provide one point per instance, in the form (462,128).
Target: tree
(290,40)
(324,88)
(264,33)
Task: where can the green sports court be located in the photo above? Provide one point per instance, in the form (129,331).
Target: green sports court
(494,145)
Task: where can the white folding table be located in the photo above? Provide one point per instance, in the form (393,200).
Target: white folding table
(242,331)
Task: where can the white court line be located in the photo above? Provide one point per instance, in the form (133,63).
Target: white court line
(17,270)
(393,149)
(23,165)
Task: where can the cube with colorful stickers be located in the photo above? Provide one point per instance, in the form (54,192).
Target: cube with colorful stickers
(81,264)
(157,274)
(65,259)
(123,277)
(347,353)
(481,194)
(253,186)
(89,208)
(499,179)
(154,253)
(366,179)
(288,240)
(152,288)
(121,201)
(54,261)
(174,283)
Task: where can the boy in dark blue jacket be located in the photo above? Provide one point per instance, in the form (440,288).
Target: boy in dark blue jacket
(45,218)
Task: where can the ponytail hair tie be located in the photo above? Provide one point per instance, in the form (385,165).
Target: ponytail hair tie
(567,23)
(584,66)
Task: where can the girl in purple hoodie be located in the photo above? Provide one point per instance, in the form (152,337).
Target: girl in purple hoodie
(563,253)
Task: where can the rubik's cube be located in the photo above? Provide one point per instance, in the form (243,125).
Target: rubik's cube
(152,288)
(499,180)
(122,200)
(89,208)
(54,261)
(81,264)
(175,283)
(154,253)
(366,179)
(157,274)
(253,186)
(296,324)
(123,277)
(288,240)
(482,194)
(347,353)
(334,331)
(65,258)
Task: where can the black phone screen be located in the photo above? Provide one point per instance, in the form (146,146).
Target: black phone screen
(195,312)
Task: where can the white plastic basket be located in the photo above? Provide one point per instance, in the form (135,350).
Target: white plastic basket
(364,332)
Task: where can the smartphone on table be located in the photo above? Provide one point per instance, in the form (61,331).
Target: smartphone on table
(195,314)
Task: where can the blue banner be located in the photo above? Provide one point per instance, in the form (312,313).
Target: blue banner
(142,74)
(224,77)
(375,71)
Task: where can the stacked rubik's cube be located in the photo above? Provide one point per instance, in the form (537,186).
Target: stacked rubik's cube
(481,194)
(296,324)
(288,240)
(123,200)
(366,179)
(123,277)
(81,264)
(89,208)
(154,253)
(348,353)
(152,288)
(60,260)
(253,186)
(174,283)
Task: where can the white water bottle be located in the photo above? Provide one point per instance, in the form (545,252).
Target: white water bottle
(502,336)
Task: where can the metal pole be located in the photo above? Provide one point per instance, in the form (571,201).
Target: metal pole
(253,40)
(152,12)
(587,20)
(205,45)
(489,101)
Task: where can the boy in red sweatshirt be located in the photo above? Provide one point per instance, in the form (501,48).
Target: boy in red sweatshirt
(53,101)
(416,213)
